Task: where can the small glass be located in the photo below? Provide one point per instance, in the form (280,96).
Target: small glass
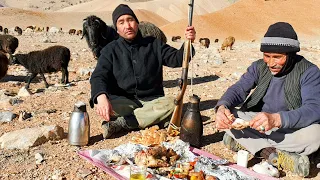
(138,172)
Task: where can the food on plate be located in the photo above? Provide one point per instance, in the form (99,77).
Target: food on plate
(240,124)
(151,136)
(158,156)
(174,133)
(115,157)
(196,175)
(200,176)
(208,177)
(181,171)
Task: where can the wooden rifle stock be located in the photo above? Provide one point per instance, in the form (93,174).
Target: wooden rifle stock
(175,120)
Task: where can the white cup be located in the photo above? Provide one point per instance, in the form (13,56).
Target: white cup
(242,158)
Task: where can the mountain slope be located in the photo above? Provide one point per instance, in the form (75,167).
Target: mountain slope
(249,19)
(11,17)
(168,9)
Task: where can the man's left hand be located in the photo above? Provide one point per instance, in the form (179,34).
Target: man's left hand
(265,121)
(190,33)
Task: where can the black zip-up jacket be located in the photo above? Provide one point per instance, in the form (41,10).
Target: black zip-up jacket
(133,69)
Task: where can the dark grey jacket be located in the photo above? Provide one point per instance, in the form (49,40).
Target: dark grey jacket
(274,99)
(133,70)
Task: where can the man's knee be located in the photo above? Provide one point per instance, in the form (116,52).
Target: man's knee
(311,134)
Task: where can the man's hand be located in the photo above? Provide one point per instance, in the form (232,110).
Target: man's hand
(190,33)
(265,121)
(222,120)
(104,108)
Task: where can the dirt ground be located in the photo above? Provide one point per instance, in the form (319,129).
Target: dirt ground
(210,81)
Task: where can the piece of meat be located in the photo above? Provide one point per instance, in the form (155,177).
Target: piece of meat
(157,156)
(144,159)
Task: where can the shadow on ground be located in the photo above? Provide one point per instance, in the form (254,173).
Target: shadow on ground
(212,138)
(197,80)
(8,78)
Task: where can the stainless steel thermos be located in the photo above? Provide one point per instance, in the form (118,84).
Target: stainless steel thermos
(191,126)
(79,125)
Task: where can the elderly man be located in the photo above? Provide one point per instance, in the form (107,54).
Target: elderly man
(283,109)
(126,85)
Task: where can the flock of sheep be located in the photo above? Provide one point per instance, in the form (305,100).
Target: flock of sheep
(19,30)
(56,58)
(227,43)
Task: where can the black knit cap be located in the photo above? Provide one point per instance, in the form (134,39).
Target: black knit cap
(120,10)
(280,38)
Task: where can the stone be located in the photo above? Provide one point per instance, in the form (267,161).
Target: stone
(23,92)
(30,137)
(6,116)
(39,158)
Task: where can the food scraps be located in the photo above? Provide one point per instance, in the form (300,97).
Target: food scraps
(152,136)
(240,124)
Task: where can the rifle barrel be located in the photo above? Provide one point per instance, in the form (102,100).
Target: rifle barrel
(191,4)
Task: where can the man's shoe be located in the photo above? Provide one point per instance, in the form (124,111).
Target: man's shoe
(298,164)
(112,127)
(231,144)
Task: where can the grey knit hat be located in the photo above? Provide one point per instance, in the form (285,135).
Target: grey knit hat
(280,38)
(120,10)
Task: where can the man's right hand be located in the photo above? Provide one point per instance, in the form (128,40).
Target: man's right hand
(222,120)
(104,108)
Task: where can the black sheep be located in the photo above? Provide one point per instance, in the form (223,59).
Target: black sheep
(52,59)
(5,31)
(18,30)
(8,44)
(205,42)
(175,38)
(3,65)
(98,33)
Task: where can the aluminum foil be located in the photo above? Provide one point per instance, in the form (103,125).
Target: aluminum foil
(124,154)
(215,168)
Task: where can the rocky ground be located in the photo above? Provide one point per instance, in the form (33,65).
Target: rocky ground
(213,73)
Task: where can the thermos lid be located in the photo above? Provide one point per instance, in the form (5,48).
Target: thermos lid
(80,107)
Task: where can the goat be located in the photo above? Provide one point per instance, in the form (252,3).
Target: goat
(98,33)
(72,31)
(52,59)
(228,42)
(18,30)
(175,38)
(1,28)
(30,27)
(3,65)
(5,31)
(8,44)
(38,29)
(55,30)
(149,29)
(79,32)
(205,42)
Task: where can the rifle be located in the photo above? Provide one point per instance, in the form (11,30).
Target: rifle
(175,121)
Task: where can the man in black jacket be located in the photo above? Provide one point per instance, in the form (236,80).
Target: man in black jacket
(126,85)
